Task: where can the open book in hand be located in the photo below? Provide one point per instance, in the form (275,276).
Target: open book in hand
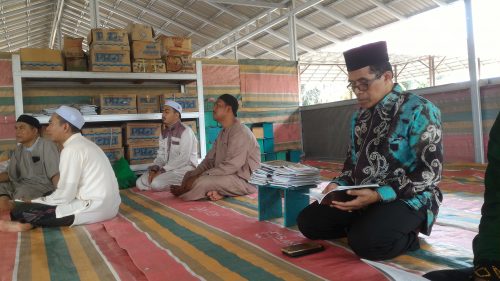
(338,194)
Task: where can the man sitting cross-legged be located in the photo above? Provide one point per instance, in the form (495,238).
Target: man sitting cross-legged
(226,169)
(87,190)
(33,170)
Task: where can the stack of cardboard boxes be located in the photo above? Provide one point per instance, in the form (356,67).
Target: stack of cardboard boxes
(107,138)
(145,51)
(74,57)
(177,53)
(142,142)
(109,50)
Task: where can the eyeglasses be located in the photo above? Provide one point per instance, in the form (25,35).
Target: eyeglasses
(362,86)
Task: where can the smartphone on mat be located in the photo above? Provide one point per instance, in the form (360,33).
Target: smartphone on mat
(302,249)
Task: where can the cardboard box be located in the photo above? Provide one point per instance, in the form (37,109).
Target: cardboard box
(182,64)
(149,66)
(141,154)
(113,154)
(146,50)
(107,137)
(109,47)
(164,98)
(189,104)
(258,132)
(72,47)
(140,32)
(109,60)
(193,126)
(142,133)
(171,45)
(118,104)
(108,36)
(41,59)
(76,64)
(148,104)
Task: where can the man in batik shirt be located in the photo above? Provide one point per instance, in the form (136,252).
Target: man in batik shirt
(395,142)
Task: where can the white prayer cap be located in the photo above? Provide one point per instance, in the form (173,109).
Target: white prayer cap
(174,105)
(72,115)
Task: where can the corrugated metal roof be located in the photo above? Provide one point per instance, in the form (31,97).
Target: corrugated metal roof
(217,26)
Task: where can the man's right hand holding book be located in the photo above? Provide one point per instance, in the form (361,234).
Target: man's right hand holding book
(363,198)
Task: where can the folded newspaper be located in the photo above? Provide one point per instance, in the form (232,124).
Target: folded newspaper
(285,174)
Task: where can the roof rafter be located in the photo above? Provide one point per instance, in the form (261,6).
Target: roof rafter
(251,3)
(257,31)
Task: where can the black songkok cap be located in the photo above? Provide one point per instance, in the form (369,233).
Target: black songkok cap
(369,54)
(29,120)
(231,101)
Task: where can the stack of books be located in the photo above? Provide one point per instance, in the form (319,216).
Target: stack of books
(86,109)
(285,174)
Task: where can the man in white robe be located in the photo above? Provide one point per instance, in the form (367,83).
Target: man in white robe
(85,193)
(177,152)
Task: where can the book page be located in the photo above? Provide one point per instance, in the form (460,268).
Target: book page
(339,194)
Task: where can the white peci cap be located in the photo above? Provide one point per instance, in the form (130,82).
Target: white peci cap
(174,105)
(72,115)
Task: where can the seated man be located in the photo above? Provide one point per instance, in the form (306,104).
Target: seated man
(486,244)
(395,142)
(86,192)
(226,169)
(177,153)
(33,169)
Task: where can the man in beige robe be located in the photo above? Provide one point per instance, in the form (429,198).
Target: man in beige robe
(226,169)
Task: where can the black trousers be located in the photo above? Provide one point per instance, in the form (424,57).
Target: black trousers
(381,231)
(464,274)
(39,215)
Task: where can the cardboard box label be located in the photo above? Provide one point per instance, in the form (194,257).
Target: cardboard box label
(109,60)
(141,154)
(149,66)
(183,64)
(146,50)
(111,104)
(171,45)
(110,137)
(189,104)
(143,133)
(148,104)
(108,36)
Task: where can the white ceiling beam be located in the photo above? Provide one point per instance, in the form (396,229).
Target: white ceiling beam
(188,12)
(257,31)
(338,16)
(206,22)
(134,19)
(270,30)
(20,11)
(318,31)
(21,27)
(38,31)
(269,50)
(37,37)
(251,3)
(388,9)
(23,44)
(155,14)
(55,22)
